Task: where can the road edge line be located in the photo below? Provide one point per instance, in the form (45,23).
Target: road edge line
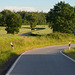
(67,56)
(13,65)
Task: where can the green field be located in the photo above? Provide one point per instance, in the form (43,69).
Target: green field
(23,29)
(22,43)
(45,30)
(26,28)
(2,31)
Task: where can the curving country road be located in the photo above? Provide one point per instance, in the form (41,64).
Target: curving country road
(43,61)
(26,34)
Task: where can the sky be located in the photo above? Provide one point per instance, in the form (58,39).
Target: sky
(31,5)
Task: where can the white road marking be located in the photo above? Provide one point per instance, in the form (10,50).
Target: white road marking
(67,56)
(12,67)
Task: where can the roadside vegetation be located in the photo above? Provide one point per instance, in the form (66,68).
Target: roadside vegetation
(22,43)
(70,53)
(55,28)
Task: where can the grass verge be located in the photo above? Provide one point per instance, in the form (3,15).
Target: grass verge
(21,43)
(70,53)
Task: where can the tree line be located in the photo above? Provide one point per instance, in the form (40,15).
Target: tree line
(61,19)
(40,17)
(13,20)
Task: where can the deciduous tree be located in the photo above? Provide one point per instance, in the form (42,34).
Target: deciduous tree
(62,18)
(13,22)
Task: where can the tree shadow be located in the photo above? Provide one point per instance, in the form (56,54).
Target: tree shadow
(35,28)
(38,35)
(35,35)
(39,28)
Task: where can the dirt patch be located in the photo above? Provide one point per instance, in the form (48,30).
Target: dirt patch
(5,67)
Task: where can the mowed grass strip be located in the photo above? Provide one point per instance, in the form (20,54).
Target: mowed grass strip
(70,53)
(44,30)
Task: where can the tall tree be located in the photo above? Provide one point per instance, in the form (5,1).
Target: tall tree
(4,14)
(13,22)
(62,18)
(41,18)
(33,21)
(0,19)
(39,15)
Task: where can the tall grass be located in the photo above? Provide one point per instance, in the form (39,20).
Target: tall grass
(70,53)
(22,44)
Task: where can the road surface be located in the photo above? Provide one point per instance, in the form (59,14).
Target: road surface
(26,34)
(43,61)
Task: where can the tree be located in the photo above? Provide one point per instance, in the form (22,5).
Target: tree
(13,22)
(4,14)
(0,19)
(41,18)
(33,21)
(62,18)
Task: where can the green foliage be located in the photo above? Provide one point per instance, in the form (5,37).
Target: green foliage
(13,22)
(41,18)
(33,21)
(62,18)
(21,44)
(0,19)
(4,14)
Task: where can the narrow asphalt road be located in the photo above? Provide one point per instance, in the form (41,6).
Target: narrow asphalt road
(26,34)
(44,61)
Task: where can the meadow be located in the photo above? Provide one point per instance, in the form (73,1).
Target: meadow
(43,38)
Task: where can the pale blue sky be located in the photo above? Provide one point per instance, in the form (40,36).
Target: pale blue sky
(31,5)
